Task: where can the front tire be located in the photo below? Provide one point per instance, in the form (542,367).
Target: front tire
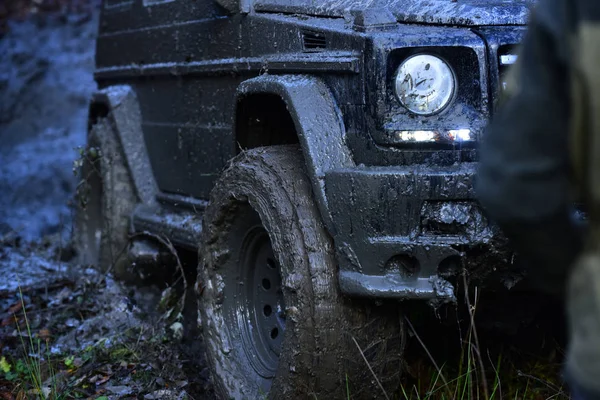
(274,322)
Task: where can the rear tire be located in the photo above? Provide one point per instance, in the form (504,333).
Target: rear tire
(266,191)
(106,200)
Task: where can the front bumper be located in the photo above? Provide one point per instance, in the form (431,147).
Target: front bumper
(407,232)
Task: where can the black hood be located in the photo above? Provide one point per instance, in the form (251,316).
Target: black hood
(445,12)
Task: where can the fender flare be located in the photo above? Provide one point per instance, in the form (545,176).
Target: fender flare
(319,126)
(120,105)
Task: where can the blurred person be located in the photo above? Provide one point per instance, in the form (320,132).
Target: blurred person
(539,157)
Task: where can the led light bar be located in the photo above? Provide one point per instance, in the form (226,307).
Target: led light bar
(422,136)
(460,135)
(417,136)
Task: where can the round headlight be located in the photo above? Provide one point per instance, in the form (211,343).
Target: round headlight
(425,84)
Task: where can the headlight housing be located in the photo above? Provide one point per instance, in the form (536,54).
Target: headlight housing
(425,84)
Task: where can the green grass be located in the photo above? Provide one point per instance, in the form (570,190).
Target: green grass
(467,378)
(35,374)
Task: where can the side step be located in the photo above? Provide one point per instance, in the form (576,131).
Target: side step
(182,226)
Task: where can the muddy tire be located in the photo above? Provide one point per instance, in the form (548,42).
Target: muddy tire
(105,201)
(274,323)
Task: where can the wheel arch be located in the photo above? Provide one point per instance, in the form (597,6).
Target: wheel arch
(262,120)
(317,121)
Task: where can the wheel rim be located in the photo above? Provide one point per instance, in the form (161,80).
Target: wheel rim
(260,300)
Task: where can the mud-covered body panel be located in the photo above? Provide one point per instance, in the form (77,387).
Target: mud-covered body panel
(333,65)
(423,215)
(143,45)
(468,13)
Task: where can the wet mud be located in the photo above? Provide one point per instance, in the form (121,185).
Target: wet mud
(88,335)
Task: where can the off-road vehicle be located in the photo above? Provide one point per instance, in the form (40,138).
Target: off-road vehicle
(319,156)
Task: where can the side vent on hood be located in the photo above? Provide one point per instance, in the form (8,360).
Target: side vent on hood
(313,41)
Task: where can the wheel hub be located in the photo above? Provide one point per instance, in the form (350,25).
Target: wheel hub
(260,296)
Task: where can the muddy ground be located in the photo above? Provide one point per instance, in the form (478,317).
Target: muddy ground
(69,332)
(74,332)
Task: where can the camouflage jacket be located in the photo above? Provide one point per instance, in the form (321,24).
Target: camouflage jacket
(539,158)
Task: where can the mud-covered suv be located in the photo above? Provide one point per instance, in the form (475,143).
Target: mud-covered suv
(320,157)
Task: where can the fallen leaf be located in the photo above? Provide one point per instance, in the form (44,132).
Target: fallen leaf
(15,307)
(44,334)
(177,329)
(69,361)
(80,380)
(5,365)
(6,396)
(61,296)
(103,380)
(119,390)
(72,323)
(105,370)
(46,392)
